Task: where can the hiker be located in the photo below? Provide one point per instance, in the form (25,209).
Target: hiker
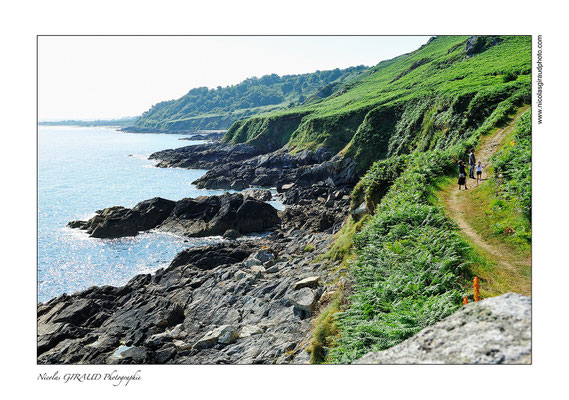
(461,175)
(472,162)
(479,167)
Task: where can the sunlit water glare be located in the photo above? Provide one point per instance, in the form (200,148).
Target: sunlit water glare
(82,170)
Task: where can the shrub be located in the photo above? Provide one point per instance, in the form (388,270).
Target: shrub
(508,77)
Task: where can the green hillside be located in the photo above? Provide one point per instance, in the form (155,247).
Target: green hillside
(203,108)
(428,99)
(407,124)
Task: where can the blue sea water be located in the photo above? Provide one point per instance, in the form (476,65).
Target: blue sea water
(81,170)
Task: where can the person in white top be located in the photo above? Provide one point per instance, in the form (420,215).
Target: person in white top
(479,168)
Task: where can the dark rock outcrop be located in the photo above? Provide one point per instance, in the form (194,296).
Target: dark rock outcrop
(478,44)
(214,215)
(240,166)
(204,156)
(209,257)
(203,216)
(118,221)
(318,208)
(278,168)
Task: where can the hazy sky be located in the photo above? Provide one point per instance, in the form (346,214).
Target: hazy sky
(113,77)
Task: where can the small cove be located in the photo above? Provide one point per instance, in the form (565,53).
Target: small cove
(81,170)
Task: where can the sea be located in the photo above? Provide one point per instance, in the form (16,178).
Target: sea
(84,169)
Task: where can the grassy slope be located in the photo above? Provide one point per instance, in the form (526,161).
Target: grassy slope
(410,264)
(498,212)
(428,99)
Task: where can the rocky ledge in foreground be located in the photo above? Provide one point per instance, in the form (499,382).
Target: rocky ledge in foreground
(202,216)
(235,302)
(493,331)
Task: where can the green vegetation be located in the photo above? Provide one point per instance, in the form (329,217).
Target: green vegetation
(309,248)
(409,267)
(203,108)
(499,219)
(409,263)
(496,211)
(326,329)
(341,248)
(429,99)
(512,167)
(420,113)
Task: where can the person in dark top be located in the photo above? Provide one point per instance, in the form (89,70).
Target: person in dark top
(461,175)
(472,162)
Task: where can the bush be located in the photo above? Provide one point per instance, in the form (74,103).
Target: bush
(508,77)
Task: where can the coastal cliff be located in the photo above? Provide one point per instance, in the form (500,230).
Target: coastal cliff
(364,257)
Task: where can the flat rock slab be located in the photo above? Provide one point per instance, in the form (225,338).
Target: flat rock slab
(224,334)
(311,281)
(493,331)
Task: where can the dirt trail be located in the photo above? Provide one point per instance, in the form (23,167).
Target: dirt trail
(457,208)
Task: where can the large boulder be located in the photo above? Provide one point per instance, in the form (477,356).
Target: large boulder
(114,222)
(311,281)
(493,331)
(255,216)
(215,215)
(199,217)
(209,257)
(304,299)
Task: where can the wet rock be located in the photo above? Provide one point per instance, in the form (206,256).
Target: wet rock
(204,156)
(282,170)
(166,313)
(209,257)
(214,215)
(116,222)
(263,256)
(203,216)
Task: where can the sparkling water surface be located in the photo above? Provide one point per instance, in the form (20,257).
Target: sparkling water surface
(82,170)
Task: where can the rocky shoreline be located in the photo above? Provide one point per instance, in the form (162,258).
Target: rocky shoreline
(250,299)
(246,166)
(245,300)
